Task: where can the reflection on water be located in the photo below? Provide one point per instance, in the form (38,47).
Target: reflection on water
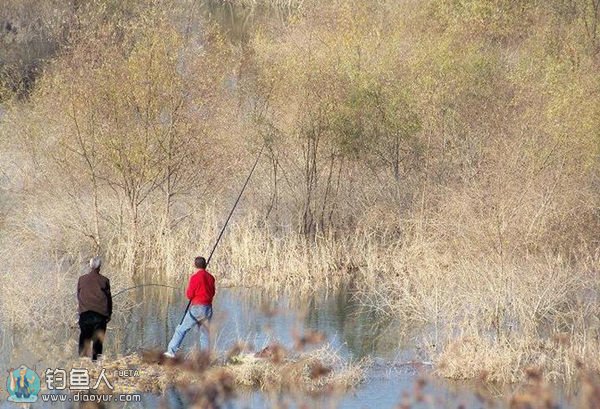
(258,318)
(361,330)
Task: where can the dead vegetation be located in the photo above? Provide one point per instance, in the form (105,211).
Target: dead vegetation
(210,384)
(272,369)
(558,359)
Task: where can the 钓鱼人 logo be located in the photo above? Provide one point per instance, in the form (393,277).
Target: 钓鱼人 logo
(22,385)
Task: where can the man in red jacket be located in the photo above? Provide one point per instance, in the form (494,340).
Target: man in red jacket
(200,291)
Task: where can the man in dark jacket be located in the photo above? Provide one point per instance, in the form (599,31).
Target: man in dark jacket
(95,309)
(200,292)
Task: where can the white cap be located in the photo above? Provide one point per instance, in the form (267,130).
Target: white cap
(95,262)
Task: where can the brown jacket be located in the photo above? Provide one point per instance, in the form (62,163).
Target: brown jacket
(93,294)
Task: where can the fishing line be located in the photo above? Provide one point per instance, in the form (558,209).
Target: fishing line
(144,285)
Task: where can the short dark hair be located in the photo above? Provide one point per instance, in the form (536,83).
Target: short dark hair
(200,262)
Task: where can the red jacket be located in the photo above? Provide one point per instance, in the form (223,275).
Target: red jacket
(201,289)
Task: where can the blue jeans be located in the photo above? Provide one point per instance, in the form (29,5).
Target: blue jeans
(197,316)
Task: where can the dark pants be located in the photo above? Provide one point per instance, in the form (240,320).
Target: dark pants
(93,329)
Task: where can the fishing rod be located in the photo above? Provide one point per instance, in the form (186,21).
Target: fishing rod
(227,222)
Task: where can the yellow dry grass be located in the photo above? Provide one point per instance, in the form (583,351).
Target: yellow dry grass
(320,370)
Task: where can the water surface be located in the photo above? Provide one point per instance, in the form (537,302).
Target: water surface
(258,318)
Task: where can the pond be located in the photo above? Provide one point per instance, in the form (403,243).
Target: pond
(255,317)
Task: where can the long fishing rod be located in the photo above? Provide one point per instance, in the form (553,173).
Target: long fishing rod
(227,222)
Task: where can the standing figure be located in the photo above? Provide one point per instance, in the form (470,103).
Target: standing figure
(95,309)
(200,292)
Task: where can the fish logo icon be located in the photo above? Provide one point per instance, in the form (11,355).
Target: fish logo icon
(22,385)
